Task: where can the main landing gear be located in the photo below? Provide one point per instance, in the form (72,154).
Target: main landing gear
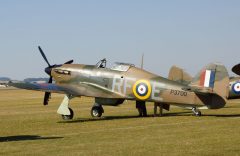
(97,110)
(64,110)
(67,113)
(196,112)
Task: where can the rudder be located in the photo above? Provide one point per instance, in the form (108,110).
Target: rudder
(213,77)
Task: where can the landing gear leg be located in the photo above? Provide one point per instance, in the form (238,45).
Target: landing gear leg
(97,110)
(196,112)
(64,110)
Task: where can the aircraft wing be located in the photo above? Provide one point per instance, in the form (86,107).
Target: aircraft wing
(45,87)
(95,90)
(83,89)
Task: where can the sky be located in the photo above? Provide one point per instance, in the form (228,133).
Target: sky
(186,33)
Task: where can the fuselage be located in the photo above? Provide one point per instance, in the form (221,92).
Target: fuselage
(126,82)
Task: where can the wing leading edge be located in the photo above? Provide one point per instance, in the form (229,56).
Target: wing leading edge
(83,89)
(45,87)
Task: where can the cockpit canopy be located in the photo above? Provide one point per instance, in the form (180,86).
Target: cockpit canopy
(119,66)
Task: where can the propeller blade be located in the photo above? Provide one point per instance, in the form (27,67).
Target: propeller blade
(47,96)
(43,55)
(236,69)
(69,62)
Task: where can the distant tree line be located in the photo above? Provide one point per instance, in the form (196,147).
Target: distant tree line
(25,80)
(5,79)
(35,79)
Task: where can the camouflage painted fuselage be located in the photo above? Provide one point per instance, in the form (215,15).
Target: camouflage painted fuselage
(131,83)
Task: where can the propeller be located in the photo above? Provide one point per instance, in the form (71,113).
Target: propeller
(48,70)
(236,69)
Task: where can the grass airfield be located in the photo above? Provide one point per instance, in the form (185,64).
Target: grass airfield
(29,128)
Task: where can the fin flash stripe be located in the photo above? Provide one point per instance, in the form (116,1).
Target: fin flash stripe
(207,78)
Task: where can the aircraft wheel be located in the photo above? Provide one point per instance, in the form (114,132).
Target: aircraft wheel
(68,117)
(198,113)
(96,111)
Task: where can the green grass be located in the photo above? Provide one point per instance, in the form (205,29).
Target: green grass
(29,128)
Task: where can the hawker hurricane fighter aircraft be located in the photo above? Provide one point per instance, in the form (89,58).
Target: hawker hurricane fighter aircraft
(111,86)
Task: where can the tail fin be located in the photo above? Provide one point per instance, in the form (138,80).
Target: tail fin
(213,77)
(179,75)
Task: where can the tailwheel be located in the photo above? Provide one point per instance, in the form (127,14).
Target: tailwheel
(196,112)
(97,111)
(68,117)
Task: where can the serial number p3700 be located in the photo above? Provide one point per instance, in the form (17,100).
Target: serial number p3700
(178,92)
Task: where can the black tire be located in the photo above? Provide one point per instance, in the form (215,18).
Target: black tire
(96,111)
(68,117)
(198,113)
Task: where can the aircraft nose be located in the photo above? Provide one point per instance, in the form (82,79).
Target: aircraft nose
(48,70)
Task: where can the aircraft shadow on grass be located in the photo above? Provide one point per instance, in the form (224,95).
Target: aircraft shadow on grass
(119,117)
(189,113)
(223,115)
(25,138)
(174,114)
(99,119)
(206,115)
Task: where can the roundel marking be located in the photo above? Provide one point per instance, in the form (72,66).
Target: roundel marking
(142,89)
(236,88)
